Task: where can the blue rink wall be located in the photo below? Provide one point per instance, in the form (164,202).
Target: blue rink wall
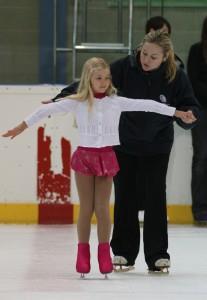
(42,154)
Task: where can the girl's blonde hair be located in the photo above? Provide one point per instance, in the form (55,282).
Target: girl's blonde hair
(85,91)
(163,40)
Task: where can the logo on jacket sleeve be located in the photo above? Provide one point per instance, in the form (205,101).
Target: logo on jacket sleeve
(163,99)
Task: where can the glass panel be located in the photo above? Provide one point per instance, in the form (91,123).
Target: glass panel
(19,41)
(20,32)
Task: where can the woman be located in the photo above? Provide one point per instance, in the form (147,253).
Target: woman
(146,142)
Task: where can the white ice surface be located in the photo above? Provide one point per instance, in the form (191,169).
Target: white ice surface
(38,263)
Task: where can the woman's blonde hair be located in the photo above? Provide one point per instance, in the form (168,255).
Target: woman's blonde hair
(163,40)
(85,91)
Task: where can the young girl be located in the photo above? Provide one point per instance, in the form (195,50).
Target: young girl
(97,110)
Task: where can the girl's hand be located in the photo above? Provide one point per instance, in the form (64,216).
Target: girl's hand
(15,131)
(186,116)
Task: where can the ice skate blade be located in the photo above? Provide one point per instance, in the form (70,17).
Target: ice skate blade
(160,271)
(122,268)
(106,274)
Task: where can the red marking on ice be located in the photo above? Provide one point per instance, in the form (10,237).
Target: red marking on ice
(52,188)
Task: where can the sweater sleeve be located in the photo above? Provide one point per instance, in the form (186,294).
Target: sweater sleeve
(127,104)
(45,110)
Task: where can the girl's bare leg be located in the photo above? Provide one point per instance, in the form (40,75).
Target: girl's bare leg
(103,187)
(85,187)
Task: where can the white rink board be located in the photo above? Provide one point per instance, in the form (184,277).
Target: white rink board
(18,157)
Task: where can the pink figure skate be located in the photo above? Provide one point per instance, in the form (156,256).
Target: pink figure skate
(83,259)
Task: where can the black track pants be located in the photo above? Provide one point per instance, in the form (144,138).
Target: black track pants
(151,170)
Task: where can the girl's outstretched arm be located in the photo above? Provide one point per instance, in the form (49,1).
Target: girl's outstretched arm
(128,104)
(12,133)
(66,105)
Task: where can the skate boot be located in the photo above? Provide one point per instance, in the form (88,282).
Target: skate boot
(83,259)
(120,264)
(104,259)
(160,266)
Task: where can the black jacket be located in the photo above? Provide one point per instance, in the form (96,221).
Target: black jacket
(148,133)
(197,71)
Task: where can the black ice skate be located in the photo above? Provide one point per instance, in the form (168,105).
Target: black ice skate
(120,264)
(161,266)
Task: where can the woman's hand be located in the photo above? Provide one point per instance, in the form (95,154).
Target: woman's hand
(12,133)
(47,101)
(186,116)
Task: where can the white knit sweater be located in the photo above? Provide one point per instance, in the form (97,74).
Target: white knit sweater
(98,127)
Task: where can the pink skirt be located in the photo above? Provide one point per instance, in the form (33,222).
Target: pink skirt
(95,161)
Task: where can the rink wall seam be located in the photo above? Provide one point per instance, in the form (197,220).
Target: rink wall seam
(27,213)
